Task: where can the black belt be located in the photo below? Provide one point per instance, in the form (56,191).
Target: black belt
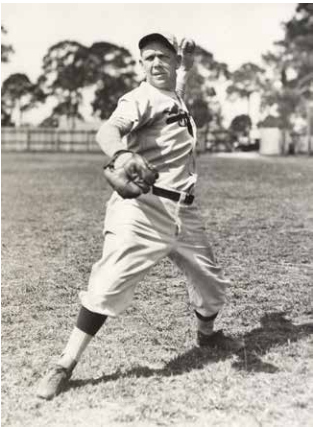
(176,196)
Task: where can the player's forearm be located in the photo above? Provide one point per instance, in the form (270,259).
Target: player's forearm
(181,82)
(109,138)
(187,53)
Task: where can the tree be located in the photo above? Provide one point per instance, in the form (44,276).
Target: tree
(19,93)
(299,35)
(61,109)
(200,94)
(64,75)
(291,63)
(299,40)
(6,49)
(241,125)
(69,67)
(107,93)
(246,80)
(5,116)
(239,130)
(112,69)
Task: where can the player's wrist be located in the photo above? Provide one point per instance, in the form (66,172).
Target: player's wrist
(111,161)
(121,158)
(185,67)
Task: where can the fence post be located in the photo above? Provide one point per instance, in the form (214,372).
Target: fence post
(71,140)
(56,140)
(28,139)
(89,140)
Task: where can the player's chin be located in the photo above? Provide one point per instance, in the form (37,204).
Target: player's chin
(161,83)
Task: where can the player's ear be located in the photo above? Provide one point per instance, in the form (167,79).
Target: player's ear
(141,65)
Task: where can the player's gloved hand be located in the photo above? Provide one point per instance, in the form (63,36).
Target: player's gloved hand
(130,174)
(187,50)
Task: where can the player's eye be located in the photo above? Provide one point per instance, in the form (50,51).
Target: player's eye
(149,58)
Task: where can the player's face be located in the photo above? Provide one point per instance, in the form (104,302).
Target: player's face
(160,64)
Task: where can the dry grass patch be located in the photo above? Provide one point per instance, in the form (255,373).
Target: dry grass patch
(143,369)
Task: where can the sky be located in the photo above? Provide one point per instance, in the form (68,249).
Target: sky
(234,32)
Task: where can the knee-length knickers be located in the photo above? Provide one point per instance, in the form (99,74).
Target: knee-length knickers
(140,232)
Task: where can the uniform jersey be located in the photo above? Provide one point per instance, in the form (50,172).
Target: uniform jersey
(156,124)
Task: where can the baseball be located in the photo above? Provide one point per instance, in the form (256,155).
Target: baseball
(187,46)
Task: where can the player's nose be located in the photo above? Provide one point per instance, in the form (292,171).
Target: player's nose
(156,62)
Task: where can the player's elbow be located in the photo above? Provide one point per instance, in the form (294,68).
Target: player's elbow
(108,137)
(102,134)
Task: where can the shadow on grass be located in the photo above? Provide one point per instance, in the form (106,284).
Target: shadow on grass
(275,330)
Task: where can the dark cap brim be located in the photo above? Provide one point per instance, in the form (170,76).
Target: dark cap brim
(156,37)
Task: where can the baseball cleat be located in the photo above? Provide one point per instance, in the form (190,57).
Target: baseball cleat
(54,382)
(219,341)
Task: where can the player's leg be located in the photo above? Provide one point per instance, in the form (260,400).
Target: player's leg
(206,283)
(126,259)
(87,325)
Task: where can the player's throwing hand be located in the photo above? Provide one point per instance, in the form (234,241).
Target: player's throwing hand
(187,50)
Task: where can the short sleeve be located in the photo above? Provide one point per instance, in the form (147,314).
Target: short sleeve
(131,112)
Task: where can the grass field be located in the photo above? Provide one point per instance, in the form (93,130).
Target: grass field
(143,368)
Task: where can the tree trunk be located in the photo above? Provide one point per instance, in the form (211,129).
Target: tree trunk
(309,127)
(249,113)
(19,111)
(73,122)
(284,141)
(21,117)
(249,105)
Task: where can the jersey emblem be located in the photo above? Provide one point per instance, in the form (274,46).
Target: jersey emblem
(176,114)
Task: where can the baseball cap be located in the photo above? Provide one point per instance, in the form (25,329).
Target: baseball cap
(167,39)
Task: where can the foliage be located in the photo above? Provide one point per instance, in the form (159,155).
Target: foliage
(6,119)
(109,59)
(200,94)
(241,124)
(19,92)
(64,75)
(270,122)
(112,69)
(51,121)
(6,49)
(245,81)
(69,67)
(299,40)
(64,67)
(62,109)
(291,65)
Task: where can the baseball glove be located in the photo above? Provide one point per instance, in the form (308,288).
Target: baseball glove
(130,174)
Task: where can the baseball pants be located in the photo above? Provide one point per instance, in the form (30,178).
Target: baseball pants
(137,234)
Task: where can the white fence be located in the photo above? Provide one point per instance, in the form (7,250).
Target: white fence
(75,140)
(48,139)
(51,139)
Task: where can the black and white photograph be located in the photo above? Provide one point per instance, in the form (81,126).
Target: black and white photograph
(157,214)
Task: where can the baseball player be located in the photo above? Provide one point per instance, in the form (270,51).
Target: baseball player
(149,143)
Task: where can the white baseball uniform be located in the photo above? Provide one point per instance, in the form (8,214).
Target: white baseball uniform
(140,232)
